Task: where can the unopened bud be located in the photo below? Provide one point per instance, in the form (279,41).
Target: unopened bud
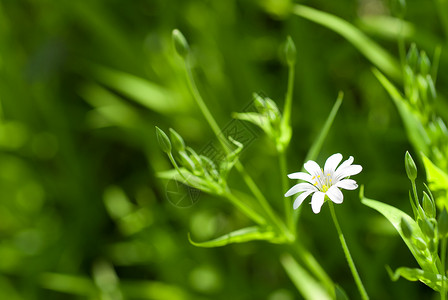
(422,87)
(406,228)
(424,63)
(178,141)
(412,57)
(411,168)
(186,161)
(432,87)
(428,206)
(427,228)
(290,51)
(180,43)
(259,102)
(164,141)
(420,244)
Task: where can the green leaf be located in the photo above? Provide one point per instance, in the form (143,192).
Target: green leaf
(371,50)
(414,128)
(317,144)
(438,181)
(140,90)
(304,282)
(394,215)
(432,280)
(256,119)
(239,236)
(189,179)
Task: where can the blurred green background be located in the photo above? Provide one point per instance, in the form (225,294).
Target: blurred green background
(82,85)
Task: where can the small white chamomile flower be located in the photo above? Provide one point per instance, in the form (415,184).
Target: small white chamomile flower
(324,182)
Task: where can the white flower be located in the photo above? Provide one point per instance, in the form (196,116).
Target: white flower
(324,182)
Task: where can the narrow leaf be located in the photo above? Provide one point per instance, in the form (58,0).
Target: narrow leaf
(140,90)
(304,282)
(432,280)
(371,50)
(394,215)
(414,127)
(188,179)
(438,181)
(256,119)
(239,236)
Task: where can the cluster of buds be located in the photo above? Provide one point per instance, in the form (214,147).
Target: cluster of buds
(425,216)
(418,82)
(196,170)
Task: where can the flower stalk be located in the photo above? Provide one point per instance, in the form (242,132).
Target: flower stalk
(348,256)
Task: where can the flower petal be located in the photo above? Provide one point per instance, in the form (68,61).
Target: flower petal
(348,171)
(317,201)
(312,167)
(332,162)
(301,176)
(300,187)
(346,163)
(348,184)
(300,199)
(335,195)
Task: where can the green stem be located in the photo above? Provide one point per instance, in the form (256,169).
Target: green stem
(348,256)
(417,203)
(289,92)
(287,200)
(248,180)
(174,163)
(244,208)
(197,96)
(443,250)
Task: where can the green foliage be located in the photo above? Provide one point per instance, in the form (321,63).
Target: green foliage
(90,207)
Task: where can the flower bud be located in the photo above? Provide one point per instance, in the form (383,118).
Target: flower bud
(442,223)
(164,141)
(408,81)
(422,87)
(272,110)
(432,87)
(411,168)
(180,43)
(412,57)
(428,206)
(424,63)
(420,244)
(186,161)
(427,228)
(196,160)
(259,102)
(290,51)
(406,228)
(178,141)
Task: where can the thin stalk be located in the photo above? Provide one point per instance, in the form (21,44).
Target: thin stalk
(348,256)
(443,250)
(244,208)
(417,204)
(174,163)
(287,201)
(215,128)
(288,99)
